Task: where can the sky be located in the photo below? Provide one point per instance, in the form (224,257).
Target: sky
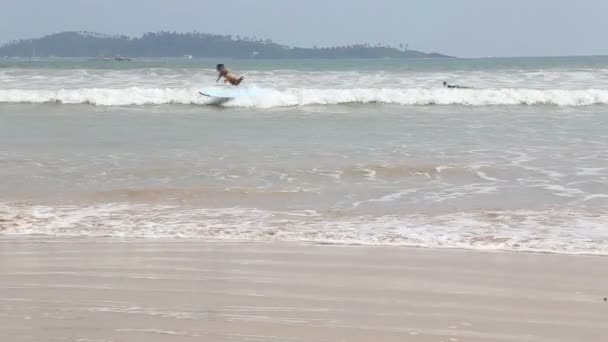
(463,28)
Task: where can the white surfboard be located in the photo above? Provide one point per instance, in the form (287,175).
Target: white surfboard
(216,99)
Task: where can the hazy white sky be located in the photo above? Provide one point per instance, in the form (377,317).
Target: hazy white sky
(466,28)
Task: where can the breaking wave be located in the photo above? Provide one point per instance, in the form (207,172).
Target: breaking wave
(258,97)
(568,231)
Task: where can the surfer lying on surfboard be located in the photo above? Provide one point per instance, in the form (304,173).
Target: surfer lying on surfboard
(228,76)
(453,86)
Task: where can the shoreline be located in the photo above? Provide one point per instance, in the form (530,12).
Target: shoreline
(301,243)
(142,290)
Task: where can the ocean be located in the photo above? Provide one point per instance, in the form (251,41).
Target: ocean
(371,152)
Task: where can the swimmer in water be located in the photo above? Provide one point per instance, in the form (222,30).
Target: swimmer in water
(450,86)
(228,76)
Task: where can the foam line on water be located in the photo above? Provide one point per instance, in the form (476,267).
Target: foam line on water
(565,231)
(260,97)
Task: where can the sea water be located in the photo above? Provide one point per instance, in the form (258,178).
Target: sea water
(344,151)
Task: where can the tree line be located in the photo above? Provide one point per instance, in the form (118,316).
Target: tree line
(195,44)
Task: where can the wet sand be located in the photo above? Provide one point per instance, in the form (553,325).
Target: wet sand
(143,290)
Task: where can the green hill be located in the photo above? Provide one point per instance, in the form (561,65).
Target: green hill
(198,45)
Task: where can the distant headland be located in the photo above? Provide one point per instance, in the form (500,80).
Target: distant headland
(191,45)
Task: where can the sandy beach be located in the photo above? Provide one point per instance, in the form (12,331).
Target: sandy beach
(142,290)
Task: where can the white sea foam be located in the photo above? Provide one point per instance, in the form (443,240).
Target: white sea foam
(571,231)
(269,97)
(387,198)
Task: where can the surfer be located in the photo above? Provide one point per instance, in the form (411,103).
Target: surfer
(453,86)
(228,76)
